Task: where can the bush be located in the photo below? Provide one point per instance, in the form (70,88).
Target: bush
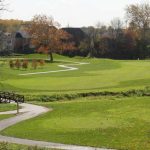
(18,64)
(25,64)
(34,64)
(72,96)
(11,64)
(7,146)
(41,63)
(4,146)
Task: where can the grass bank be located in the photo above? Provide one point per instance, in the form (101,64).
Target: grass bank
(7,107)
(120,123)
(8,146)
(100,75)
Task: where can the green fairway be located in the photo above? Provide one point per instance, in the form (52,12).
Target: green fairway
(7,107)
(98,75)
(121,123)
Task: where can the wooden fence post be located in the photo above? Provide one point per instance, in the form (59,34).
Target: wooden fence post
(17,107)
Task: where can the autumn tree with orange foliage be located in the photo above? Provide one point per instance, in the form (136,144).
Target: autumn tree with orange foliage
(47,37)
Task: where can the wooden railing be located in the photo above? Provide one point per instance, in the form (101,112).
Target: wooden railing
(7,97)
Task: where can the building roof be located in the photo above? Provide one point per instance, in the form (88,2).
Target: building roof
(77,33)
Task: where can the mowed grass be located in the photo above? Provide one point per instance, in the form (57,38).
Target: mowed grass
(120,123)
(2,117)
(7,107)
(8,146)
(98,75)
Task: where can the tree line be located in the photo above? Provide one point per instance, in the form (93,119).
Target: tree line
(129,39)
(122,39)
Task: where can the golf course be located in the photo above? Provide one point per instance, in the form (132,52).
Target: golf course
(101,74)
(6,107)
(95,102)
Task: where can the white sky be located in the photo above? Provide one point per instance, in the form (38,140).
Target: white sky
(76,13)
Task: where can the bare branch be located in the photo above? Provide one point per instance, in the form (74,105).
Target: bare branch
(2,5)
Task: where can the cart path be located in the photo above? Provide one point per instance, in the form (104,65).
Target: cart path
(67,67)
(30,111)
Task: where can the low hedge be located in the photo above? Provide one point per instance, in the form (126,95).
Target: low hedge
(58,97)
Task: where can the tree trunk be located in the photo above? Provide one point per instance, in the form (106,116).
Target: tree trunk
(92,48)
(51,57)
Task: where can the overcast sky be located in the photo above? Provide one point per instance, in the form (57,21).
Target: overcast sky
(76,13)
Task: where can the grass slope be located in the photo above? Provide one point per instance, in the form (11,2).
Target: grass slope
(2,117)
(6,146)
(120,123)
(7,107)
(101,74)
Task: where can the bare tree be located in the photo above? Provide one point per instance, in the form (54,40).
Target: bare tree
(2,5)
(2,8)
(99,25)
(116,25)
(139,16)
(90,40)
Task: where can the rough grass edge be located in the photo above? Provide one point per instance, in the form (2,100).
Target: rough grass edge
(59,97)
(9,146)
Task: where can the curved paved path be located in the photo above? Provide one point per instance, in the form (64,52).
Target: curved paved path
(66,68)
(27,112)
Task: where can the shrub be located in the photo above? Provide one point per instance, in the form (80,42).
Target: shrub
(4,146)
(7,146)
(25,64)
(11,64)
(72,96)
(34,64)
(18,64)
(35,148)
(41,63)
